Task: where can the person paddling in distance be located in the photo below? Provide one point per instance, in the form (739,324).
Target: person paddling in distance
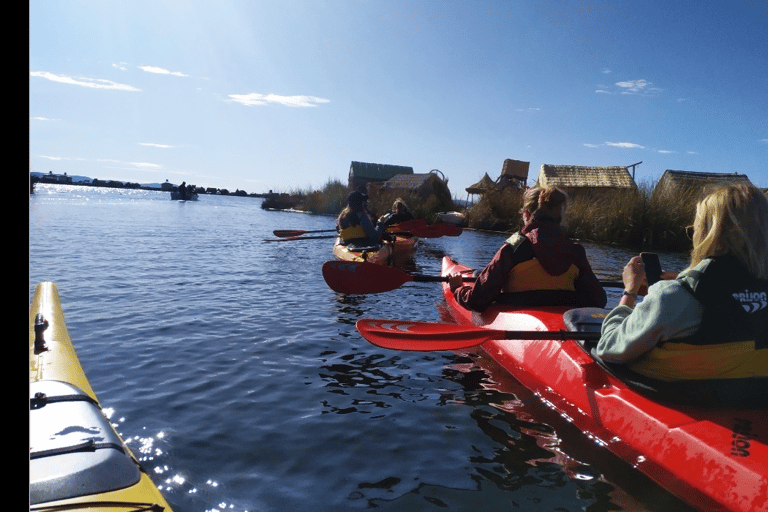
(355,224)
(539,265)
(710,324)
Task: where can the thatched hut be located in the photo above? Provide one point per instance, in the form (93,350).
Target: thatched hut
(585,181)
(362,173)
(673,184)
(422,192)
(481,187)
(422,185)
(514,173)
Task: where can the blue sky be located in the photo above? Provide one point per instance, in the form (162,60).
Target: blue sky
(283,95)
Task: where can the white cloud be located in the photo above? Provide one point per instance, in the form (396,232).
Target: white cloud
(666,152)
(256,99)
(627,145)
(120,66)
(154,145)
(39,118)
(153,69)
(53,157)
(145,165)
(643,87)
(94,83)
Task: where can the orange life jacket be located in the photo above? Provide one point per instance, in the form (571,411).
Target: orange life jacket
(530,275)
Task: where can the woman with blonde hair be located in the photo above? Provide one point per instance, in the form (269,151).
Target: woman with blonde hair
(539,265)
(703,335)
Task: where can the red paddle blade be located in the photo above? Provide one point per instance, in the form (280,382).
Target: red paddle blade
(423,336)
(407,225)
(438,230)
(284,233)
(360,277)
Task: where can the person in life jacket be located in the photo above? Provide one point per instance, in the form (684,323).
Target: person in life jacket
(395,215)
(354,223)
(539,265)
(708,328)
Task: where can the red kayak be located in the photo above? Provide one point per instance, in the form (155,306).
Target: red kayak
(713,459)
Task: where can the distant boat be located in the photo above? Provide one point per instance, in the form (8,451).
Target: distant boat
(176,196)
(451,217)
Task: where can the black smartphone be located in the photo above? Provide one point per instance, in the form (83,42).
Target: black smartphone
(652,266)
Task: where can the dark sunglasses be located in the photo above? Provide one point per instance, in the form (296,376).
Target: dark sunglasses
(689,232)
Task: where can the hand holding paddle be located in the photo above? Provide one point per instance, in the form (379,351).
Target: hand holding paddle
(426,336)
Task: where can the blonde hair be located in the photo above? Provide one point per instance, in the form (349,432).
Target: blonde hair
(544,203)
(733,220)
(399,203)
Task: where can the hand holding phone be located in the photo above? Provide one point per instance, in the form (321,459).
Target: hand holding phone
(652,266)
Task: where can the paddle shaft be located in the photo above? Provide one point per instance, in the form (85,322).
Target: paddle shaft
(419,278)
(289,233)
(296,238)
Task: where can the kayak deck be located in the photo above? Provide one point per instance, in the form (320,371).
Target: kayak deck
(711,458)
(77,459)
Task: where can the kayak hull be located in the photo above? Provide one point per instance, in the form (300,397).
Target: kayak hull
(713,459)
(386,254)
(77,459)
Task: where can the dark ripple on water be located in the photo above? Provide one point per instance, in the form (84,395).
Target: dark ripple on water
(241,382)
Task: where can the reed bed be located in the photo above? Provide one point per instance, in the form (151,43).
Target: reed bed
(637,219)
(332,198)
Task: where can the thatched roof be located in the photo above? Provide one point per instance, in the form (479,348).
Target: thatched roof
(572,176)
(678,182)
(423,185)
(485,184)
(377,171)
(702,178)
(407,181)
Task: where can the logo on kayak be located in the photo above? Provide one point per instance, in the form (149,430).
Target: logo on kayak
(752,302)
(741,437)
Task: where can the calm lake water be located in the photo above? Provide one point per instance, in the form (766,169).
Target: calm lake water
(237,375)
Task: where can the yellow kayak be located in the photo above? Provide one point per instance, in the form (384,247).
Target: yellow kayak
(384,254)
(77,461)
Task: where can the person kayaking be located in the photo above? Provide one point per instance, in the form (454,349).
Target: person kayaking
(355,224)
(539,265)
(397,214)
(711,322)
